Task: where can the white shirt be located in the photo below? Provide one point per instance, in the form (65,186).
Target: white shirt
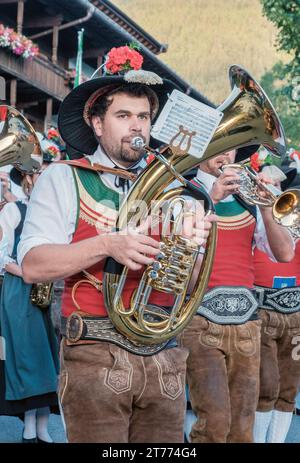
(260,239)
(52,211)
(10,218)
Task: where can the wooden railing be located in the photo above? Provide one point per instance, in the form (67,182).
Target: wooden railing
(39,72)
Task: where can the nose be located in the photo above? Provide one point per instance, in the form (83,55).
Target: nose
(227,158)
(136,125)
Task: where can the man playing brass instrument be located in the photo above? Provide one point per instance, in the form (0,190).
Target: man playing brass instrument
(113,390)
(278,286)
(224,337)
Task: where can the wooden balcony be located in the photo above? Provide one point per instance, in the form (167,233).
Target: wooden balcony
(38,72)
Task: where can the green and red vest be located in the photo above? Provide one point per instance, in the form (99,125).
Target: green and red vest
(96,214)
(233,263)
(266,270)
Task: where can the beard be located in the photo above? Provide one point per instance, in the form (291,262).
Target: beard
(123,153)
(127,154)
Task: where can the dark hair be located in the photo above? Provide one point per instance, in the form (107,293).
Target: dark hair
(135,90)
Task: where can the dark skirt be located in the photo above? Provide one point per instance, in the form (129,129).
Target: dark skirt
(19,407)
(28,377)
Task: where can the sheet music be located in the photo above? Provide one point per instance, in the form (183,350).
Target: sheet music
(193,115)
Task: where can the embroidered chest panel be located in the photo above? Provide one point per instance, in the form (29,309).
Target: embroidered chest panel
(232,216)
(98,205)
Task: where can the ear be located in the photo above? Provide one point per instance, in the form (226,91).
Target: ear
(97,125)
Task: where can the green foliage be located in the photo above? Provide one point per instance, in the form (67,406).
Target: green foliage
(286,17)
(206,36)
(275,84)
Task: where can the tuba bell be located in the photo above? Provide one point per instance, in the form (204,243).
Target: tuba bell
(19,144)
(20,147)
(248,119)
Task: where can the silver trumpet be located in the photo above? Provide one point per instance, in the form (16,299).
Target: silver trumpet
(285,205)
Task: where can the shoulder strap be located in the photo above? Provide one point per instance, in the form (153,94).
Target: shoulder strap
(22,208)
(195,181)
(100,168)
(251,209)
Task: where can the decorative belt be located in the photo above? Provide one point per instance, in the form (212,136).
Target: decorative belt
(228,305)
(91,328)
(285,300)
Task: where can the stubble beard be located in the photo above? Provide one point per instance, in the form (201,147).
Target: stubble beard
(122,153)
(125,155)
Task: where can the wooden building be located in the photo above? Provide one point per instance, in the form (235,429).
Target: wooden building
(37,85)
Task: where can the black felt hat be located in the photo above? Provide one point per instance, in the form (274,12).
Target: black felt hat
(73,117)
(16,176)
(245,152)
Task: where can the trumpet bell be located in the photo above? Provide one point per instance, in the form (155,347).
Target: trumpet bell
(19,144)
(286,208)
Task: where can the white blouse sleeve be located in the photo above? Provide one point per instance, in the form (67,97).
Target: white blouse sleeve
(9,220)
(52,210)
(4,254)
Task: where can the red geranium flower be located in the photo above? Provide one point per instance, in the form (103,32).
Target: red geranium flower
(123,59)
(254,162)
(53,151)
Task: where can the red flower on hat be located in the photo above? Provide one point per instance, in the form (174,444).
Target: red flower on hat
(53,151)
(123,59)
(255,162)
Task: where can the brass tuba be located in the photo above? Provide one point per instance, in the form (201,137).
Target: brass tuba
(249,119)
(19,144)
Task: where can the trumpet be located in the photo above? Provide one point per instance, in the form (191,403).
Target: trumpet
(285,205)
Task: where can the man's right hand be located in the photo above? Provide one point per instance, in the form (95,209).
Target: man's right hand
(226,184)
(129,247)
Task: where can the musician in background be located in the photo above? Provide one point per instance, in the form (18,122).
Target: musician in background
(223,339)
(111,389)
(6,195)
(28,376)
(278,287)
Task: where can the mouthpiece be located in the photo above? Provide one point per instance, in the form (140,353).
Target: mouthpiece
(137,143)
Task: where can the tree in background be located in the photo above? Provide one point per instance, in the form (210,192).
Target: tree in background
(282,83)
(276,86)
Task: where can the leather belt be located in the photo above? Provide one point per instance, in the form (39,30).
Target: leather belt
(229,305)
(78,327)
(285,300)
